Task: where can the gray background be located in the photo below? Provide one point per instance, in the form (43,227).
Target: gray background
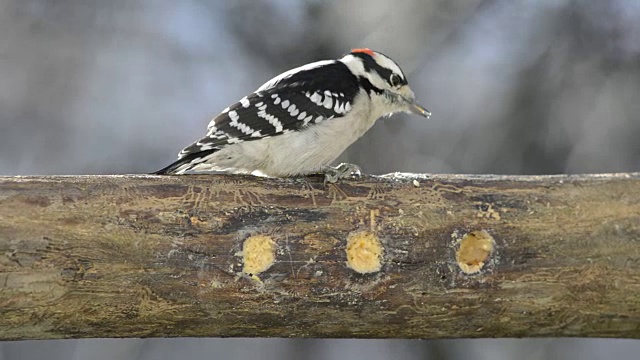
(516,87)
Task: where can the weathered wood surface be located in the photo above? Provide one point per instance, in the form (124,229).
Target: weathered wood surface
(148,256)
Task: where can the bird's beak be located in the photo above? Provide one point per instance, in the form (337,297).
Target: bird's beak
(416,108)
(412,106)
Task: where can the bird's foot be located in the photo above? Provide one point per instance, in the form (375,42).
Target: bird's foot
(342,171)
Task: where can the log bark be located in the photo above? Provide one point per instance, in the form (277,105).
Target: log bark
(232,256)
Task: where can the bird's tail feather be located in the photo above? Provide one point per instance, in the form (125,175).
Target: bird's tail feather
(185,163)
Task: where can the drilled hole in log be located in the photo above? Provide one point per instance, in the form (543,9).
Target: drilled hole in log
(474,251)
(364,252)
(258,254)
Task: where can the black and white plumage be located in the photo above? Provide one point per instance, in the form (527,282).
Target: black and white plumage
(300,121)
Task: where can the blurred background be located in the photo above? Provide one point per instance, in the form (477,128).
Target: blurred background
(515,87)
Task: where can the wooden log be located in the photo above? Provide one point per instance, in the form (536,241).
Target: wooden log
(404,256)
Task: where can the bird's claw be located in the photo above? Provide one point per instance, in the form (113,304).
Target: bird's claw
(342,171)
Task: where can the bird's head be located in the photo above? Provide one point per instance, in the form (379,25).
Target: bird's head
(384,80)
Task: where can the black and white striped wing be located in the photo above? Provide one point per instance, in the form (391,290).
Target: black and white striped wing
(284,104)
(269,113)
(299,98)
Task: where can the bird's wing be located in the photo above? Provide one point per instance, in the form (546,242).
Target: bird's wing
(289,102)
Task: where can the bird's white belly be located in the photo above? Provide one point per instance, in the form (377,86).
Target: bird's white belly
(297,152)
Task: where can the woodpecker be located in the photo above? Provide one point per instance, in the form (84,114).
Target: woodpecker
(300,121)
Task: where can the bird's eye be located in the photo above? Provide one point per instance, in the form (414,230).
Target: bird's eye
(394,80)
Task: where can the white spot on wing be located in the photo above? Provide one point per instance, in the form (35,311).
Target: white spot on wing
(302,115)
(327,102)
(272,120)
(233,115)
(244,128)
(285,104)
(316,98)
(245,102)
(218,135)
(307,119)
(337,108)
(204,147)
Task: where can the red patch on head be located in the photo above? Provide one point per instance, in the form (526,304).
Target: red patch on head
(364,50)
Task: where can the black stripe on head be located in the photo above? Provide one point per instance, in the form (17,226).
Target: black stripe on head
(371,65)
(368,86)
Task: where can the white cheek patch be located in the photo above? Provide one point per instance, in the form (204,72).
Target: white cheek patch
(377,81)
